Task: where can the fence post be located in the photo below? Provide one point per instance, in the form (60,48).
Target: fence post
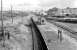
(60,35)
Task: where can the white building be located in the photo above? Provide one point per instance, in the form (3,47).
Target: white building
(66,11)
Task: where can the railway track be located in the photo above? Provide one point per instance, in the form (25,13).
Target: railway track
(38,41)
(63,27)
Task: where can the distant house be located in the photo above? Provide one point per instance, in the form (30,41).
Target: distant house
(52,11)
(63,12)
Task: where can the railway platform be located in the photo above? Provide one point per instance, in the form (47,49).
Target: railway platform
(50,33)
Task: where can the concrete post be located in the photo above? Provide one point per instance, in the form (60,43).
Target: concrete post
(60,35)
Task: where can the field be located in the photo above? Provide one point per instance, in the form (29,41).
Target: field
(20,34)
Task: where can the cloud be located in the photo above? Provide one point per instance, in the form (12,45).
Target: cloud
(57,3)
(36,4)
(47,3)
(75,3)
(20,4)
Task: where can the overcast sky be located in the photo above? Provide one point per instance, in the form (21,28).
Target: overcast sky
(37,4)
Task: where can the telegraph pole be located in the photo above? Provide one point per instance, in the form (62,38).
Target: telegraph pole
(2,28)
